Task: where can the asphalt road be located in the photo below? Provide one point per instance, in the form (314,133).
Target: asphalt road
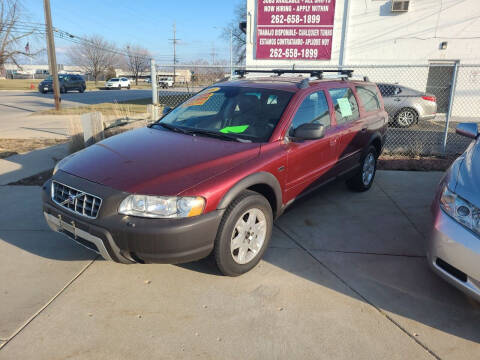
(18,108)
(18,103)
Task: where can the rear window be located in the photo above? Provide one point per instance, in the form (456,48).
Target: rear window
(368,96)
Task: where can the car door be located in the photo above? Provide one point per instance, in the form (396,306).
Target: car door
(309,162)
(370,110)
(349,126)
(392,99)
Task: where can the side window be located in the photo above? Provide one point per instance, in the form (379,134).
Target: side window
(314,109)
(369,98)
(346,107)
(388,90)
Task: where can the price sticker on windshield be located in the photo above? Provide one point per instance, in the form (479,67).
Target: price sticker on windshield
(201,98)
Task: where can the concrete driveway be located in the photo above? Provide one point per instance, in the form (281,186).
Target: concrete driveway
(345,278)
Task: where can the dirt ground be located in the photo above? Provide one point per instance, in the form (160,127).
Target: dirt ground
(405,163)
(9,147)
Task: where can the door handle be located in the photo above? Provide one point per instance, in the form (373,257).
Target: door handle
(333,142)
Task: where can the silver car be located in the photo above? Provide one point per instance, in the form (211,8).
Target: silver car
(453,249)
(407,106)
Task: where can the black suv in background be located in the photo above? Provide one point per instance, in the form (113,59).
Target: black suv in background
(66,81)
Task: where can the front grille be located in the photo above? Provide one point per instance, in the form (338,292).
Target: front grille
(76,201)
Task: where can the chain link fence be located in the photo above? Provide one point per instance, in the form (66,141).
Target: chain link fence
(425,103)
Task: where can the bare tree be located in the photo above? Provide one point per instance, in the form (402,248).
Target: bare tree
(11,33)
(239,37)
(95,55)
(137,59)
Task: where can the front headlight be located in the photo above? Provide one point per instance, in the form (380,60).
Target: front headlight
(461,210)
(162,206)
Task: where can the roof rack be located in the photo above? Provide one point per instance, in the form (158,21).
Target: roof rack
(304,82)
(313,73)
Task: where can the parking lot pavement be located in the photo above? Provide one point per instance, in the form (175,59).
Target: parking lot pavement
(35,264)
(344,277)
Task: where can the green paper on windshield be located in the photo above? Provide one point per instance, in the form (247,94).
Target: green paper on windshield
(345,107)
(234,129)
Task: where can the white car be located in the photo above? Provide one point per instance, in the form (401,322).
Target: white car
(165,82)
(118,83)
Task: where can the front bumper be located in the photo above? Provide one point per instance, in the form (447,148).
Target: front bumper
(454,253)
(128,239)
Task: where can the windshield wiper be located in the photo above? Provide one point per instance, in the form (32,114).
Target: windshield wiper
(173,128)
(218,135)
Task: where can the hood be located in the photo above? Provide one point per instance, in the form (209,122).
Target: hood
(468,180)
(157,162)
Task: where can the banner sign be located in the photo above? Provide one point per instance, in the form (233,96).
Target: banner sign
(295,29)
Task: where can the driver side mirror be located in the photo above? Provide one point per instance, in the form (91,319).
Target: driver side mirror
(309,131)
(469,130)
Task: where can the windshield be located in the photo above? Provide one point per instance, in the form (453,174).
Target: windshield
(247,113)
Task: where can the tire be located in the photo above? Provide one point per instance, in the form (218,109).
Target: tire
(128,87)
(234,261)
(81,90)
(406,117)
(119,87)
(363,179)
(63,90)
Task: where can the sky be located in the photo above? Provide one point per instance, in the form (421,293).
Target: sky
(148,23)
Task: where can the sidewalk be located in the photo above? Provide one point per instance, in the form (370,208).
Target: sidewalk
(27,126)
(20,166)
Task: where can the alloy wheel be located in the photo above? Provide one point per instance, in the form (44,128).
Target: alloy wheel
(248,236)
(368,169)
(406,118)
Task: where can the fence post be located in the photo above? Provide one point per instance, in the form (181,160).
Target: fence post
(92,124)
(450,105)
(153,74)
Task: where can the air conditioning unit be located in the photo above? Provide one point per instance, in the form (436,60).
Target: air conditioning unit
(400,5)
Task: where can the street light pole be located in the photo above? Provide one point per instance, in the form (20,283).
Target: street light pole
(231,53)
(52,60)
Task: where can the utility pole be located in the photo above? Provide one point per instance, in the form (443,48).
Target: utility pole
(213,53)
(231,53)
(174,42)
(52,60)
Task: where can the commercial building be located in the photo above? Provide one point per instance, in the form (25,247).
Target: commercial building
(433,37)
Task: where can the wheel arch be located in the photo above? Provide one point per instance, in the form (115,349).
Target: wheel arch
(263,183)
(376,142)
(414,107)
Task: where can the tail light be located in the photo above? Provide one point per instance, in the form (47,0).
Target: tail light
(429,98)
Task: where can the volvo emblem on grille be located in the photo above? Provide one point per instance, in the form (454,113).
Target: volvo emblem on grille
(70,200)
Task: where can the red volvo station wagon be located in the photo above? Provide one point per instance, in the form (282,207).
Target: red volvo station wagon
(214,173)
